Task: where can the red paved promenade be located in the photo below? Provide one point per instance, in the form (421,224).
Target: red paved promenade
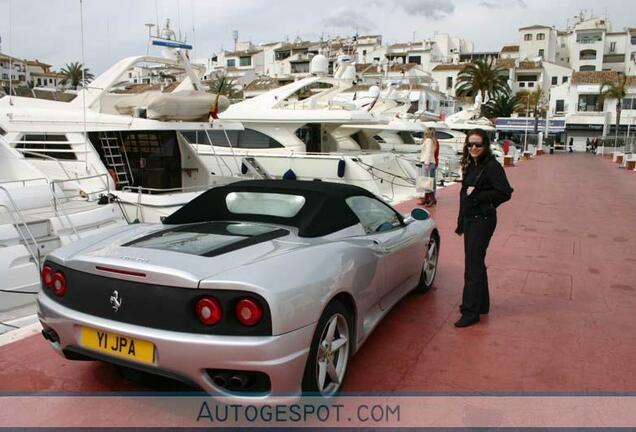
(562,269)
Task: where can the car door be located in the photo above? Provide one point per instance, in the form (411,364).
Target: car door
(394,244)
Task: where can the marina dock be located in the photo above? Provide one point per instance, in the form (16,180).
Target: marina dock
(562,271)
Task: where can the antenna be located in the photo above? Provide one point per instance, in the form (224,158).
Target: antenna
(150,26)
(235,36)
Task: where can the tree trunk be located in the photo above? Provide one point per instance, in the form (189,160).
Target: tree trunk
(483,101)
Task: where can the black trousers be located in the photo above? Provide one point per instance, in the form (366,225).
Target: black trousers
(477,234)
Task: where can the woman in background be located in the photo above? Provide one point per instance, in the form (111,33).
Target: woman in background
(427,168)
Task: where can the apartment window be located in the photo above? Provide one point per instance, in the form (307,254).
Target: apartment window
(633,39)
(531,84)
(527,78)
(587,68)
(527,37)
(246,61)
(587,55)
(522,84)
(565,79)
(541,36)
(282,55)
(589,102)
(555,80)
(231,63)
(560,105)
(415,59)
(612,47)
(633,56)
(541,53)
(449,83)
(629,103)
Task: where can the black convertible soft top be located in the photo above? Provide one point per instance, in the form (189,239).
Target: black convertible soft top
(325,210)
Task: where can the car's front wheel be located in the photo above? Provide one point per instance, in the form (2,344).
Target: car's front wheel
(330,351)
(429,268)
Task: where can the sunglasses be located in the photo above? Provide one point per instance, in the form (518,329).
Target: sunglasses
(472,144)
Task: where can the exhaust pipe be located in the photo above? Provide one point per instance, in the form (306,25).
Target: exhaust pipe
(240,381)
(220,380)
(50,335)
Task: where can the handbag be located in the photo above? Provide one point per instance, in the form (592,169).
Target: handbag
(425,184)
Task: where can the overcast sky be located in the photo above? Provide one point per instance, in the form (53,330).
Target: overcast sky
(49,30)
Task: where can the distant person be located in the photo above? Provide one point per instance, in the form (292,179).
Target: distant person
(571,144)
(595,145)
(434,168)
(484,187)
(505,146)
(426,181)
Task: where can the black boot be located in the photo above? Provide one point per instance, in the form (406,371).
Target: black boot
(466,321)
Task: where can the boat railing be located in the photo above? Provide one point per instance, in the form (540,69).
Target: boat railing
(19,221)
(58,203)
(24,182)
(151,191)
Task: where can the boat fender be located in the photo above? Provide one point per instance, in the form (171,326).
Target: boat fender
(243,168)
(289,175)
(341,168)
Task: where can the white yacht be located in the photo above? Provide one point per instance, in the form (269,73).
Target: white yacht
(101,143)
(305,131)
(38,214)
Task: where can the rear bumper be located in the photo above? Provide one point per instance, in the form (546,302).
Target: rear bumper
(187,356)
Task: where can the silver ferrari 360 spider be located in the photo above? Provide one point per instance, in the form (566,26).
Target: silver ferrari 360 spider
(257,288)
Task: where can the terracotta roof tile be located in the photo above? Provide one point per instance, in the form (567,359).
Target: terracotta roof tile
(596,77)
(528,65)
(535,27)
(450,67)
(506,63)
(510,48)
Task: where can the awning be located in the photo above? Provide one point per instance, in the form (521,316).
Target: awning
(521,124)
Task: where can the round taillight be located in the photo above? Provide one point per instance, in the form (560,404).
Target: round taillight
(248,312)
(59,284)
(47,276)
(209,311)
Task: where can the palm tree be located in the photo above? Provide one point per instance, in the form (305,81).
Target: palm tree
(482,78)
(503,105)
(221,84)
(72,75)
(532,102)
(615,90)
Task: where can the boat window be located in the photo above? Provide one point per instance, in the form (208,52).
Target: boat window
(374,215)
(247,139)
(266,204)
(407,138)
(49,145)
(443,135)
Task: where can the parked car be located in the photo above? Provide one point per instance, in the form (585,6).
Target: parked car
(255,288)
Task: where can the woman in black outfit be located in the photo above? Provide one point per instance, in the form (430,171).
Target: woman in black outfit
(484,188)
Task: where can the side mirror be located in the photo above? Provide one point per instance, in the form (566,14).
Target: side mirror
(420,214)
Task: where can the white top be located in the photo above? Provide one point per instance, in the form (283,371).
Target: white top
(427,155)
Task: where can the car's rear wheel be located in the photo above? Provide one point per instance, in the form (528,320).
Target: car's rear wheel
(330,351)
(429,268)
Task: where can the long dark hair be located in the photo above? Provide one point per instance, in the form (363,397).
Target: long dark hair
(485,155)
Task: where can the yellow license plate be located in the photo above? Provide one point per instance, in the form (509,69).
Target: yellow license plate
(118,345)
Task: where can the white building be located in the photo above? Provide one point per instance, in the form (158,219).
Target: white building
(578,102)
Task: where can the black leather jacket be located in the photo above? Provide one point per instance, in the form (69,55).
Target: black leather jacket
(491,190)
